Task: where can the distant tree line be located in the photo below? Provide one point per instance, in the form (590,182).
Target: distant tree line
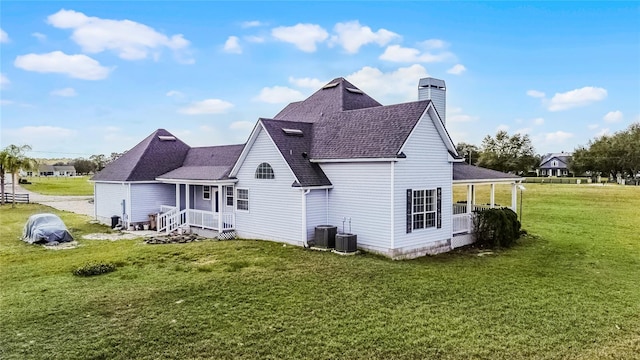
(502,152)
(610,155)
(91,165)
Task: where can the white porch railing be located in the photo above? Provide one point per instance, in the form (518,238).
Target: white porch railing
(172,219)
(462,223)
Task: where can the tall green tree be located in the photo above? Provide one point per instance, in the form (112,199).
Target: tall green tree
(470,152)
(13,159)
(507,153)
(610,155)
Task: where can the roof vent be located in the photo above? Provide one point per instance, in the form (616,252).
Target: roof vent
(355,91)
(167,138)
(330,85)
(292,132)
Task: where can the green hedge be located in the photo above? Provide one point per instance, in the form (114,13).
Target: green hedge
(498,227)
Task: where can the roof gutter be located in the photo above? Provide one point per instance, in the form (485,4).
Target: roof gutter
(353,160)
(198,182)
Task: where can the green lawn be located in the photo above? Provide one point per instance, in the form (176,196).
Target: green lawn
(52,185)
(571,290)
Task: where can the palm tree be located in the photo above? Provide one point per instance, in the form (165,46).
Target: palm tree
(12,159)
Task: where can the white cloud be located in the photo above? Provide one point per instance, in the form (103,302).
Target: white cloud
(603,132)
(557,137)
(397,53)
(351,36)
(538,121)
(129,39)
(254,39)
(303,36)
(502,127)
(241,125)
(4,81)
(455,115)
(5,102)
(392,87)
(593,126)
(208,106)
(250,24)
(310,83)
(39,36)
(232,46)
(38,134)
(536,93)
(278,95)
(175,93)
(457,69)
(76,66)
(66,92)
(4,37)
(613,116)
(576,98)
(434,44)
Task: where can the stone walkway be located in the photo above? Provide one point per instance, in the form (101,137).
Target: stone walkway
(75,204)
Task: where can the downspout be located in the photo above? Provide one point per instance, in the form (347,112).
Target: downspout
(304,217)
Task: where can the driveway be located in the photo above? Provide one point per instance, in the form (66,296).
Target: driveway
(75,204)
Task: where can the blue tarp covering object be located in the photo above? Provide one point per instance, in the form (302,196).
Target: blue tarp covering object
(45,229)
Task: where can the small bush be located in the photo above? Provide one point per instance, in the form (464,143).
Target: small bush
(497,227)
(92,269)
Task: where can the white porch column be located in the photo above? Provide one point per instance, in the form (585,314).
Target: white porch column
(493,195)
(469,198)
(473,195)
(514,197)
(220,207)
(178,196)
(187,201)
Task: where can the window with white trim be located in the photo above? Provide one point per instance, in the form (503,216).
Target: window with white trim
(242,199)
(229,195)
(423,214)
(206,192)
(264,171)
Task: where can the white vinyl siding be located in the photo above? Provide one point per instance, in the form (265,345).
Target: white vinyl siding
(275,208)
(197,198)
(147,198)
(362,192)
(426,167)
(108,200)
(316,211)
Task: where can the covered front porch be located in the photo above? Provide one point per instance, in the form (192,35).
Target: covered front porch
(475,189)
(206,205)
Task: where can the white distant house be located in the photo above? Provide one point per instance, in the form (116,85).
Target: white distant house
(51,170)
(555,164)
(338,156)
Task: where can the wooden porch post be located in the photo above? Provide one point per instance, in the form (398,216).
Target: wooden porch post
(493,195)
(473,195)
(469,198)
(178,197)
(220,207)
(514,197)
(187,202)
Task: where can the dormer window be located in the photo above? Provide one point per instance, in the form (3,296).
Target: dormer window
(264,171)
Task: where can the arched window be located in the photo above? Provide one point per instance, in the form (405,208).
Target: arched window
(264,171)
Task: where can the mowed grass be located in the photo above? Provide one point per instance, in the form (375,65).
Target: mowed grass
(63,185)
(570,291)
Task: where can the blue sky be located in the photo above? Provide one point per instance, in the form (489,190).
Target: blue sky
(83,78)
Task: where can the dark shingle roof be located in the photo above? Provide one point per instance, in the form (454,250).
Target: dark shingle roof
(206,163)
(147,160)
(377,132)
(565,158)
(462,172)
(328,100)
(292,148)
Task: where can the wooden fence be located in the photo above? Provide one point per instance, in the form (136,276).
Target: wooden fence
(20,198)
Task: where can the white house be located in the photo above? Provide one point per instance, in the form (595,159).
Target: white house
(338,157)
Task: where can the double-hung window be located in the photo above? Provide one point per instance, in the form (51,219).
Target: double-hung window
(424,209)
(229,195)
(242,200)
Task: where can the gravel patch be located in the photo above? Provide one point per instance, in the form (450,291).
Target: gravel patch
(110,236)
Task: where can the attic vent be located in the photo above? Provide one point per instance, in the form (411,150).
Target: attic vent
(166,138)
(293,132)
(355,91)
(331,85)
